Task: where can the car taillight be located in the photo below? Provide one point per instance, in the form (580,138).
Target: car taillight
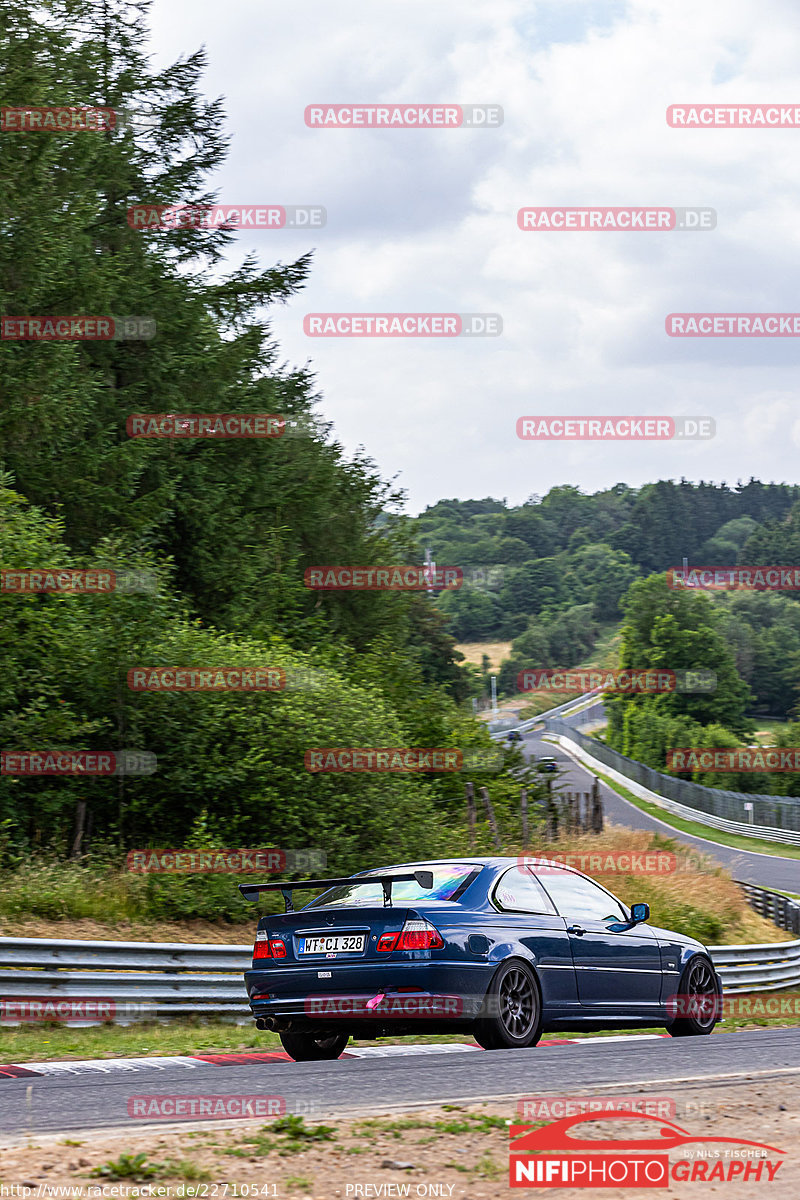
(415,935)
(420,935)
(262,947)
(277,947)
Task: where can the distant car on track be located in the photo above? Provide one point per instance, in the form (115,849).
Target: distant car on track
(501,948)
(547,764)
(514,735)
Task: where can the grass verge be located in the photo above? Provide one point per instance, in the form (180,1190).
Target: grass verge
(49,1042)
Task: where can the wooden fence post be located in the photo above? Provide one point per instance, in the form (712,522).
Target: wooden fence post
(470,790)
(77,837)
(574,813)
(552,814)
(490,814)
(597,808)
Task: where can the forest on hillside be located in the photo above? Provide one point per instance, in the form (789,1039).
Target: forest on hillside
(223,529)
(552,575)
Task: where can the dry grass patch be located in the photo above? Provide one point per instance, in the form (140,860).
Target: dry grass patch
(474,651)
(89,929)
(699,898)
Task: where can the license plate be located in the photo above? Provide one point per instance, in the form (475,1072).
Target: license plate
(337,943)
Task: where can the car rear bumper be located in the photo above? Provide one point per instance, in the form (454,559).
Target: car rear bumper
(378,995)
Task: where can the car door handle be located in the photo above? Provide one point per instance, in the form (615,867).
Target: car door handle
(578,930)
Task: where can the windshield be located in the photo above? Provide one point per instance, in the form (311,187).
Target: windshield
(447,878)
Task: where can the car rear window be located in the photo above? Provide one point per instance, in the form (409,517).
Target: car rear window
(447,879)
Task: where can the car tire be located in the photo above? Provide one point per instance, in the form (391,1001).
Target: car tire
(513,1004)
(698,980)
(312,1047)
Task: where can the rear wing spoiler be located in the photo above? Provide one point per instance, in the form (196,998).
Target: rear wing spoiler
(250,891)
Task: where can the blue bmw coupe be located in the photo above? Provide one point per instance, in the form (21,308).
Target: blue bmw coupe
(502,948)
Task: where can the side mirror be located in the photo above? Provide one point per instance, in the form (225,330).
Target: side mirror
(639,913)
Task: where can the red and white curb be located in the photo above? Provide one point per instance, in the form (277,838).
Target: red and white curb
(108,1066)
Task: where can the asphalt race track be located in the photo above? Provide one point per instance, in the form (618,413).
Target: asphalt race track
(81,1102)
(767,870)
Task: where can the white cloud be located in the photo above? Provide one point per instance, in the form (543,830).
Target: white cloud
(426,221)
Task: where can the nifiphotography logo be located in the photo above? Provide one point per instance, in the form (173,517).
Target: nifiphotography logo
(557,1155)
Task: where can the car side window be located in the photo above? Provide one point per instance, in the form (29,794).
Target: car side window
(578,899)
(519,891)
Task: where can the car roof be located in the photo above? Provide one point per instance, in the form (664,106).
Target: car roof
(492,861)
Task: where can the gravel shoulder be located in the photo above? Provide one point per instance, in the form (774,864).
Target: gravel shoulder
(454,1150)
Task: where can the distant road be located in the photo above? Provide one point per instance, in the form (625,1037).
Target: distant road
(767,870)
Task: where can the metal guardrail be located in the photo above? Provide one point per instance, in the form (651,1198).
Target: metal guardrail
(782,910)
(525,726)
(775,818)
(758,968)
(769,966)
(163,980)
(139,980)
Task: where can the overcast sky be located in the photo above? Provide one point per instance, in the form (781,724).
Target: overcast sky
(425,221)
